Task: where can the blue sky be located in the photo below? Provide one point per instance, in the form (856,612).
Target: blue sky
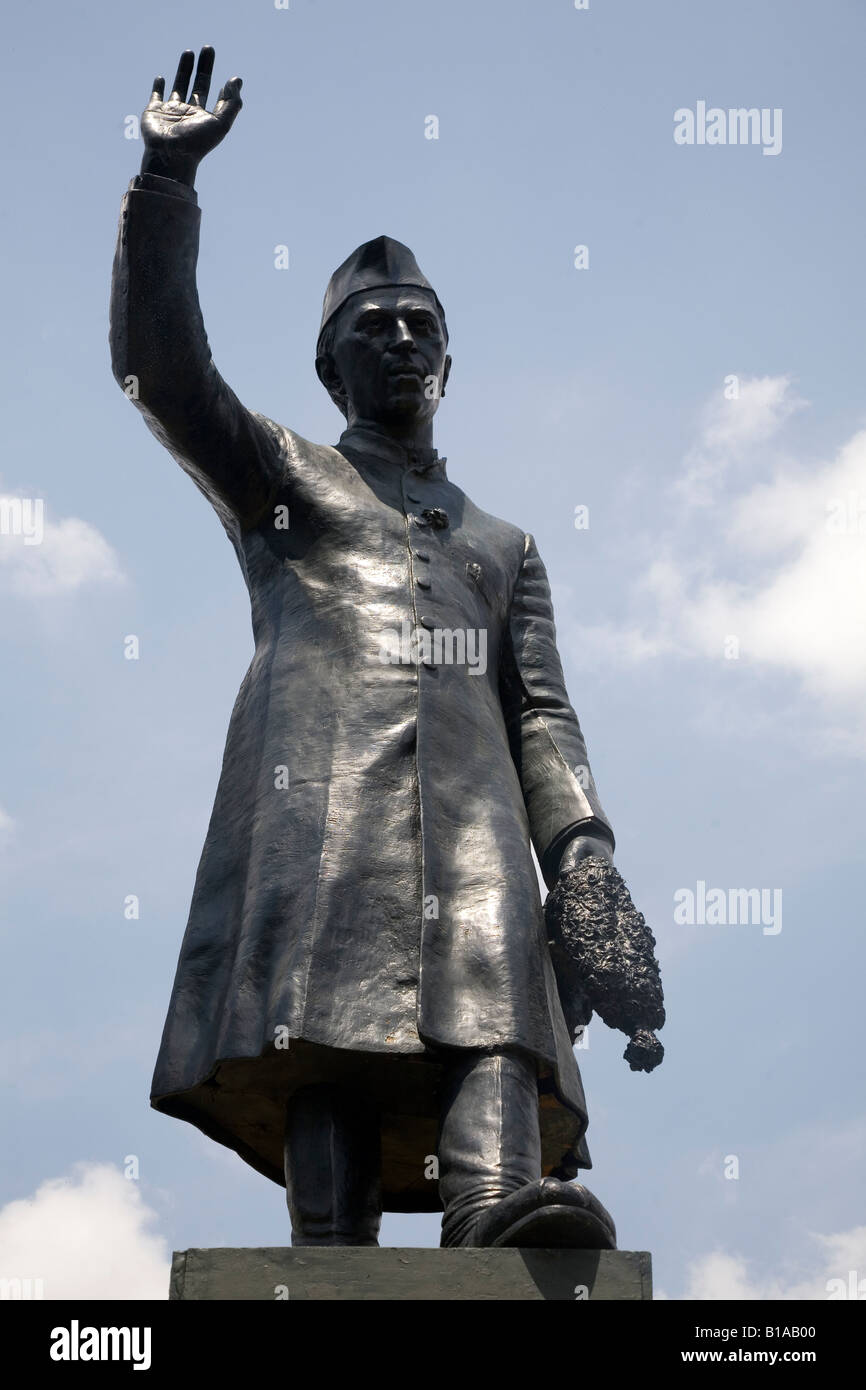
(709,519)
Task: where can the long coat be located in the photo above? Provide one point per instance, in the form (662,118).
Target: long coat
(367,885)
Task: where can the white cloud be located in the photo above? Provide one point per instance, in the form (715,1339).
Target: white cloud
(85,1237)
(838,1265)
(802,605)
(40,557)
(731,429)
(624,646)
(7,824)
(778,562)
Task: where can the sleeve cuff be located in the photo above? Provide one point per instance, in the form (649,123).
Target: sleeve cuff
(155,183)
(550,864)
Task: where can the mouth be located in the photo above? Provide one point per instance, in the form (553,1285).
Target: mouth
(405,374)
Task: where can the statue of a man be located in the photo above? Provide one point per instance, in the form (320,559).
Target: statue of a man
(365,1007)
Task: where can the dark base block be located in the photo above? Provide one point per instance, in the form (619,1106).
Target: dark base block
(362,1273)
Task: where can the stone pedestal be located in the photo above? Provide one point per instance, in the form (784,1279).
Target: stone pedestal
(359,1273)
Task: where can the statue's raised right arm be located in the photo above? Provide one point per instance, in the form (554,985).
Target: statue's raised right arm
(159,350)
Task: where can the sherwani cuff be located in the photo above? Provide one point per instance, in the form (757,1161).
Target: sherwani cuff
(155,183)
(555,851)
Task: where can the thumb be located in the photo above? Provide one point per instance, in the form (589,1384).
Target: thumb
(229,102)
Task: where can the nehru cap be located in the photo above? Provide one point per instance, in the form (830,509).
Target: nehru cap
(377,263)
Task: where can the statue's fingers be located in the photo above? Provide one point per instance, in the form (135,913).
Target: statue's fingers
(229,103)
(201,85)
(184,73)
(158,90)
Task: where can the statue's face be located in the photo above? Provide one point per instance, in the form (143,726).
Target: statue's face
(389,356)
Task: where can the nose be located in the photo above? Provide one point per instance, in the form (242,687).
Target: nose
(403,337)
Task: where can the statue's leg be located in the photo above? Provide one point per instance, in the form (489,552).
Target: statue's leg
(333,1167)
(489,1154)
(489,1138)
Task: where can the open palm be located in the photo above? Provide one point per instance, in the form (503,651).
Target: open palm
(178,133)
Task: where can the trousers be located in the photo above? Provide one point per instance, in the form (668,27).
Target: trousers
(488,1146)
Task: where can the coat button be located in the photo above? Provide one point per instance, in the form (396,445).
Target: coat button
(425,621)
(422,583)
(422,555)
(435,517)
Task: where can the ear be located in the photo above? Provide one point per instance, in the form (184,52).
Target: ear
(446,372)
(327,373)
(332,381)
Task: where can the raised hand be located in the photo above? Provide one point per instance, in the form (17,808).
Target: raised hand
(178,133)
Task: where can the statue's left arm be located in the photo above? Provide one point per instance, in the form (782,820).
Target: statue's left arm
(601,946)
(566,819)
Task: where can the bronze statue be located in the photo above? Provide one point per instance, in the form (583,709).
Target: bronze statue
(366,1007)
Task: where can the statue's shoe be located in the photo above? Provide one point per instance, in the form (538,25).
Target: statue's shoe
(547,1214)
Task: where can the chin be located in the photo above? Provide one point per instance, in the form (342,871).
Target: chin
(403,413)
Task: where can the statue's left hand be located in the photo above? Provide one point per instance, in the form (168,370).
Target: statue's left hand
(584,847)
(603,955)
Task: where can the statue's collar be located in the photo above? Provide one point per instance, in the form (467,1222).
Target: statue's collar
(365,440)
